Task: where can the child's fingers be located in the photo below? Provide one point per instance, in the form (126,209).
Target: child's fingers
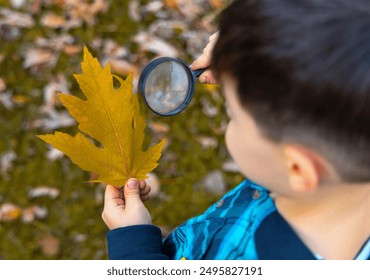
(146,190)
(204,60)
(213,37)
(111,192)
(207,78)
(201,62)
(144,197)
(142,184)
(144,187)
(112,195)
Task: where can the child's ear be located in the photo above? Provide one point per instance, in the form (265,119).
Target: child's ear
(303,168)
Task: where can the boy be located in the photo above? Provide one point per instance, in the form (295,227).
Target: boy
(296,80)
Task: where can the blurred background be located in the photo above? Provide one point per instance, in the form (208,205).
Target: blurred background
(48,210)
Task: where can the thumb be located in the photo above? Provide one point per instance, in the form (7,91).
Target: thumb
(131,192)
(200,62)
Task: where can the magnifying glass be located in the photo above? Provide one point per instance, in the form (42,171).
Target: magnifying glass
(167,85)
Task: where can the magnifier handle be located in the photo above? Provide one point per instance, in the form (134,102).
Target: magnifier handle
(199,72)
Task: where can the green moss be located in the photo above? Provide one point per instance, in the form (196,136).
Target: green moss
(74,216)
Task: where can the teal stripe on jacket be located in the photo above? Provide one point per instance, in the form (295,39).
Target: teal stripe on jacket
(226,230)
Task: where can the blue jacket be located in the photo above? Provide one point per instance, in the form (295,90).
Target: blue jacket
(244,224)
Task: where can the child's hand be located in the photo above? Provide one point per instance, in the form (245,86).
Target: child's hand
(119,212)
(204,61)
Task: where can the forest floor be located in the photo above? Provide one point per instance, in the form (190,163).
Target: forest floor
(48,210)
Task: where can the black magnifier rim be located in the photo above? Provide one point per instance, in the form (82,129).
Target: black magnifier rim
(151,66)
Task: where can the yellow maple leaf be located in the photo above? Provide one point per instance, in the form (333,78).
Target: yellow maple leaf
(111,117)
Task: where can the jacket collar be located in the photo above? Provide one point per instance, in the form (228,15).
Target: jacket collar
(276,240)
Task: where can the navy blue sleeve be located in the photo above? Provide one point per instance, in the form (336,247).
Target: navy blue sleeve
(140,242)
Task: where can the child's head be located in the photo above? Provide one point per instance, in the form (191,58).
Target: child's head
(301,70)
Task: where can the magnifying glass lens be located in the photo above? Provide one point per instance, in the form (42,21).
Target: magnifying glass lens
(166,87)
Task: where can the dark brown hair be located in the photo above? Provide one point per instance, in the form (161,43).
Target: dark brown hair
(302,69)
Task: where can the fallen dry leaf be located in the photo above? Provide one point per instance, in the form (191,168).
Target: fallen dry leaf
(150,43)
(44,191)
(15,19)
(49,245)
(6,161)
(208,108)
(52,20)
(9,212)
(51,100)
(171,3)
(72,49)
(2,84)
(31,213)
(207,142)
(36,57)
(134,10)
(157,127)
(230,166)
(85,9)
(217,4)
(16,4)
(214,182)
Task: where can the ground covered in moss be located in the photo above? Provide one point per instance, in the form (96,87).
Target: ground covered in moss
(47,208)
